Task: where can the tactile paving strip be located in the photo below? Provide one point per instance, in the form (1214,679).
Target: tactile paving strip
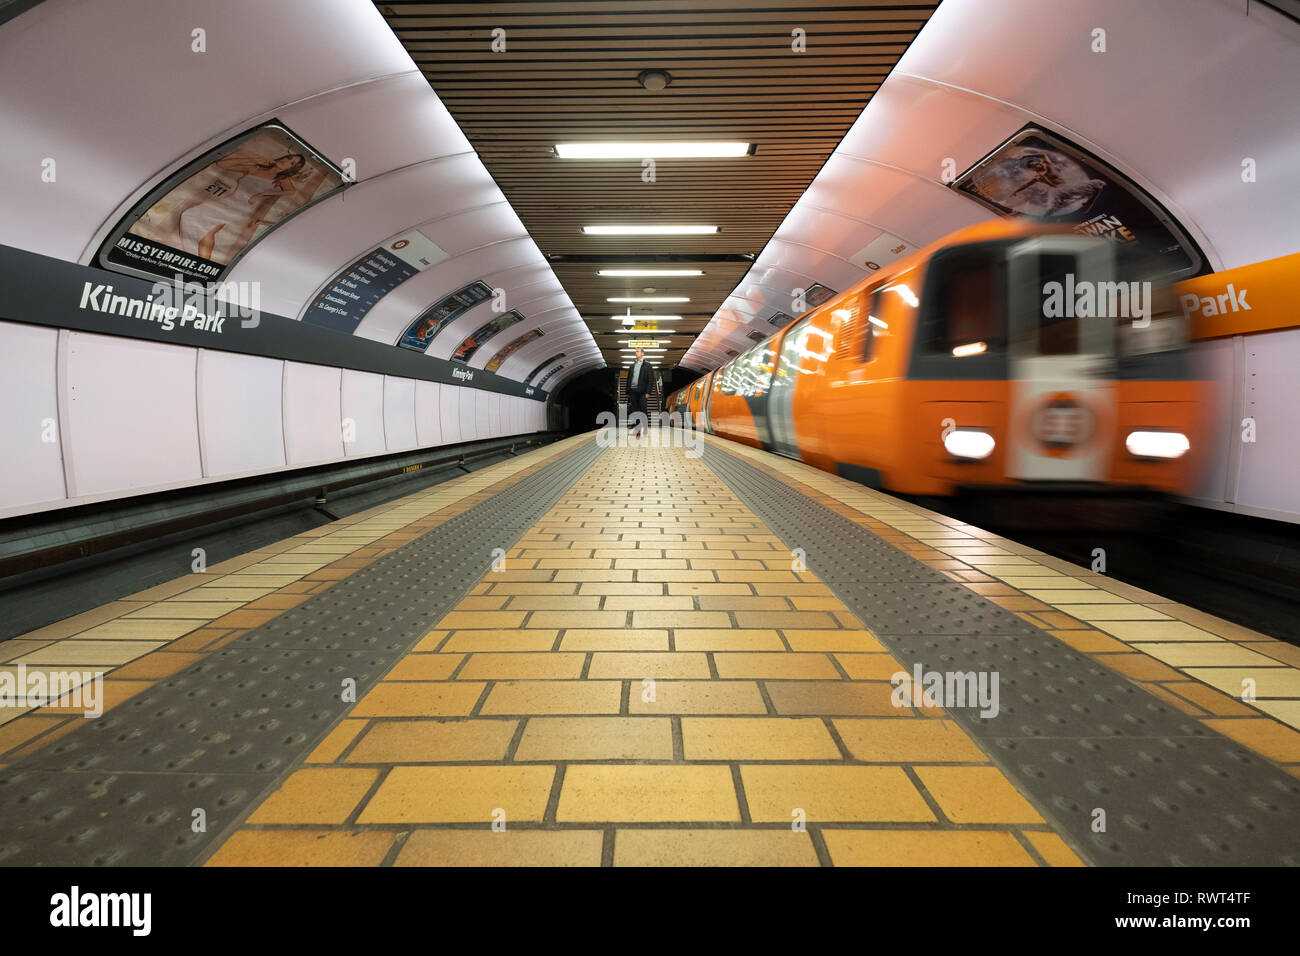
(123,789)
(1073,735)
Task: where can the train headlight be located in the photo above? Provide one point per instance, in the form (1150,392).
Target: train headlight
(1157,444)
(968,444)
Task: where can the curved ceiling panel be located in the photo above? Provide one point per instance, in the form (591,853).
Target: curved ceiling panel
(136,51)
(1182,94)
(545,321)
(330,70)
(293,261)
(395,311)
(982,69)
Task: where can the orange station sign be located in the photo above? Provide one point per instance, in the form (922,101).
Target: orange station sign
(1255,298)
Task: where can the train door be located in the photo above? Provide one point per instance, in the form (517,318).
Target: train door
(762,360)
(1061,360)
(780,397)
(706,402)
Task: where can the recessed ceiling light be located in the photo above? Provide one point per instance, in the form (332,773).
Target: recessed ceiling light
(660,298)
(654,80)
(650,230)
(633,273)
(651,149)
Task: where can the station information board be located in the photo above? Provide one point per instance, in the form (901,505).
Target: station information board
(345,300)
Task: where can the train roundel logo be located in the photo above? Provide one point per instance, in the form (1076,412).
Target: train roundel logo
(400,244)
(1061,424)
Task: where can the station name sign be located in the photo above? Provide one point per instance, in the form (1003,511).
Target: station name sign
(1261,297)
(167,310)
(41,290)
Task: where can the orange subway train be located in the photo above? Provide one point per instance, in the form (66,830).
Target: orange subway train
(976,363)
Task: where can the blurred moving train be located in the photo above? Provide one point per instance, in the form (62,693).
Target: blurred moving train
(1006,355)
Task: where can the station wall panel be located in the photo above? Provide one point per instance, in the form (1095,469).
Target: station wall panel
(241,418)
(131,422)
(312,414)
(29,427)
(428,417)
(469,400)
(449,409)
(1270,394)
(400,433)
(363,411)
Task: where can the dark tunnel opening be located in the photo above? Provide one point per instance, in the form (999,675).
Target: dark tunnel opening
(588,395)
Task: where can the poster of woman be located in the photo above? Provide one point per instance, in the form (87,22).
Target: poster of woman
(199,222)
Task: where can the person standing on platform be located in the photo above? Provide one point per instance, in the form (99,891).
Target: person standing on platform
(639,381)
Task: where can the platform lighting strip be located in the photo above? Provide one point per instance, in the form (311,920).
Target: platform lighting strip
(653,298)
(651,149)
(649,229)
(650,318)
(647,273)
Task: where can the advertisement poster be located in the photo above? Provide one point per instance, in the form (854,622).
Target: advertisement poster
(199,222)
(532,335)
(548,376)
(474,341)
(1038,175)
(541,365)
(434,319)
(349,296)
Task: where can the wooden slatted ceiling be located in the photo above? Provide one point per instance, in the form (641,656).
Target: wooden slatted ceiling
(569,74)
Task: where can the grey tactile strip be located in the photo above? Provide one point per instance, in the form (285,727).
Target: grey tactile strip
(1073,735)
(217,736)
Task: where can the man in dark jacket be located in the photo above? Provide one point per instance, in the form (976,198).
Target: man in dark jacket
(639,381)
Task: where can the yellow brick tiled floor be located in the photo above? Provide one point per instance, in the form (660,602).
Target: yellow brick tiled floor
(159,631)
(1241,683)
(648,681)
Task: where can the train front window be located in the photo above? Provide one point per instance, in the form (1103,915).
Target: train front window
(875,324)
(1065,297)
(966,316)
(1057,330)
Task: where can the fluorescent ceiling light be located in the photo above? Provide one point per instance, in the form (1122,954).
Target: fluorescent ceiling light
(636,273)
(650,318)
(650,229)
(653,298)
(651,150)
